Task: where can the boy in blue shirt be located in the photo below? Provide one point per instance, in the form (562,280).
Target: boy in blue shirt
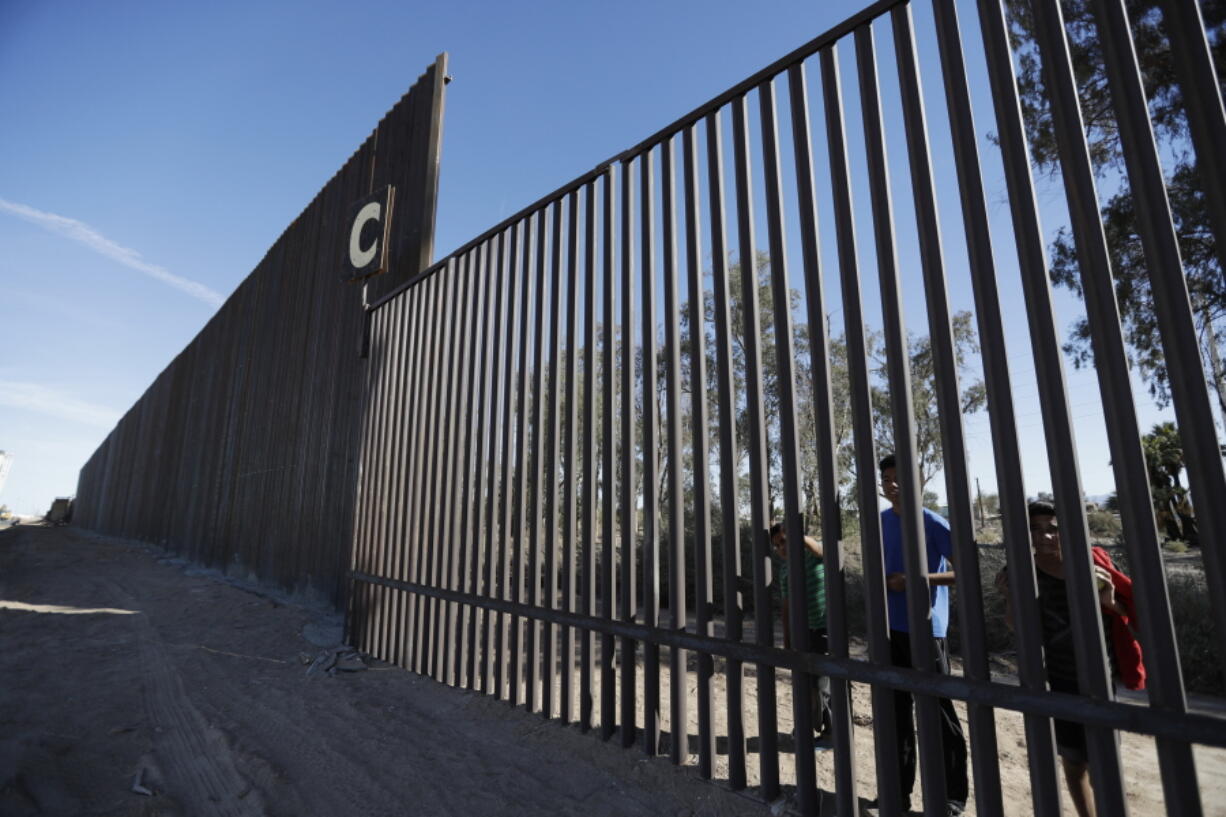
(940,578)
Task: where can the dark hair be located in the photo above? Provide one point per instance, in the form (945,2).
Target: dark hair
(886,462)
(1040,508)
(776,529)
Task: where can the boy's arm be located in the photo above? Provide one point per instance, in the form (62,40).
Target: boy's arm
(944,578)
(939,536)
(814,546)
(898,581)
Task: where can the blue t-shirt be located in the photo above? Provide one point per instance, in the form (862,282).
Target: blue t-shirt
(940,549)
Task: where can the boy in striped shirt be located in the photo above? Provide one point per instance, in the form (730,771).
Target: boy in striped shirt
(815,592)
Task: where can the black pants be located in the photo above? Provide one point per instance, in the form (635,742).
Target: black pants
(953,743)
(821,684)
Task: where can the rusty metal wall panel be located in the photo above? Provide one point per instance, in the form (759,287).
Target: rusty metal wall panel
(242,453)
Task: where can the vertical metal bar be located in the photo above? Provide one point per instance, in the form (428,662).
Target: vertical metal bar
(588,587)
(396,452)
(404,450)
(378,526)
(700,440)
(417,479)
(388,454)
(532,696)
(444,458)
(885,740)
(410,442)
(361,499)
(457,532)
(487,279)
(412,340)
(506,539)
(552,461)
(1202,100)
(415,420)
(678,721)
(422,480)
(492,640)
(520,509)
(1192,408)
(400,484)
(734,670)
(793,523)
(628,510)
(489,666)
(1053,402)
(436,477)
(651,436)
(355,621)
(570,446)
(359,626)
(440,463)
(608,700)
(378,522)
(831,513)
(759,500)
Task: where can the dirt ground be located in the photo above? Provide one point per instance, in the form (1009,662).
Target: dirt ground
(126,671)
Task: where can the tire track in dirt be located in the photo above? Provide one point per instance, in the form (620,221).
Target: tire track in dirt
(194,758)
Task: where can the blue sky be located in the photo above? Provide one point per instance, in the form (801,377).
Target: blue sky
(152,152)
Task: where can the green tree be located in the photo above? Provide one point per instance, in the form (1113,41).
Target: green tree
(923,383)
(1184,184)
(930,449)
(1164,459)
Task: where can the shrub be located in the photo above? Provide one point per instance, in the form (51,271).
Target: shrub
(1194,632)
(1103,524)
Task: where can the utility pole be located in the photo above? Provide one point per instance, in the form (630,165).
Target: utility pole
(979,492)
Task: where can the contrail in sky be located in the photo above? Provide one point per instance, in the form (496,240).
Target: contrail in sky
(48,400)
(96,241)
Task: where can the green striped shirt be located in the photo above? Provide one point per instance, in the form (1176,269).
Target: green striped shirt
(815,588)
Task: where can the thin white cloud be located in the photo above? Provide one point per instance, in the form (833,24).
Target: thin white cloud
(96,241)
(50,401)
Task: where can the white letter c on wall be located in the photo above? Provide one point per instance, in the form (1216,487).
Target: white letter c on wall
(357,256)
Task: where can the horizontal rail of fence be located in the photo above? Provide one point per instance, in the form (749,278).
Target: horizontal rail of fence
(580,426)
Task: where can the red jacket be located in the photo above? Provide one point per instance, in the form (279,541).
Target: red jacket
(1128,657)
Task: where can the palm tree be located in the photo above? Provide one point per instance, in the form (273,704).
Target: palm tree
(1164,460)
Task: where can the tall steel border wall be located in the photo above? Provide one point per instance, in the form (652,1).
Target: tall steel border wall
(242,454)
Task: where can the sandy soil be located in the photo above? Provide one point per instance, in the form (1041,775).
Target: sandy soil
(119,661)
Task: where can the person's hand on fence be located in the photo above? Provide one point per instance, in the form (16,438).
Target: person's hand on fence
(1106,591)
(896,582)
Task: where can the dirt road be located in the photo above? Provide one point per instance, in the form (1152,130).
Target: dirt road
(118,662)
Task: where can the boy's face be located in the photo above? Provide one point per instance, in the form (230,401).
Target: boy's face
(1045,536)
(889,485)
(779,543)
